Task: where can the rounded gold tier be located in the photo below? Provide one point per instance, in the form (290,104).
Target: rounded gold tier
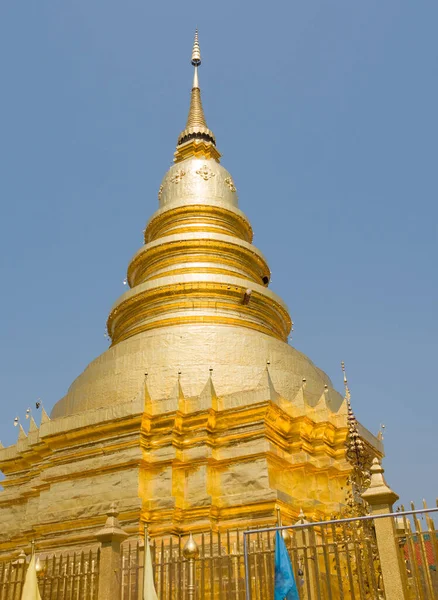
(198,300)
(191,218)
(237,355)
(198,265)
(202,252)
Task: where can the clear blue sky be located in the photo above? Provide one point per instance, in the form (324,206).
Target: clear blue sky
(326,115)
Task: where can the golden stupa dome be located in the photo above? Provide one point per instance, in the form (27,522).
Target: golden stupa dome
(197,180)
(198,304)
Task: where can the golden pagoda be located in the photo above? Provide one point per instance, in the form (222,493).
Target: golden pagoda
(200,414)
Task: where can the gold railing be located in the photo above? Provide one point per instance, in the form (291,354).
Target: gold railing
(11,579)
(219,569)
(330,562)
(73,576)
(418,542)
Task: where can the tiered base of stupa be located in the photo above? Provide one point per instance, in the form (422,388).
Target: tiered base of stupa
(217,459)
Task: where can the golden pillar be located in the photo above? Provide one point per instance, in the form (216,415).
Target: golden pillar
(381,498)
(110,567)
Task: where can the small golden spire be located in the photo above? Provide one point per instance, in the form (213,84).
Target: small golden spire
(196,137)
(381,432)
(347,389)
(354,442)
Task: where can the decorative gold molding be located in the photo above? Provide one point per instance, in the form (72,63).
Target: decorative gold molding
(198,149)
(230,183)
(263,313)
(197,320)
(198,217)
(170,253)
(205,173)
(177,177)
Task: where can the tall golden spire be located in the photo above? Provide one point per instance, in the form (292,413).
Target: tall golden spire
(357,455)
(196,116)
(196,139)
(355,444)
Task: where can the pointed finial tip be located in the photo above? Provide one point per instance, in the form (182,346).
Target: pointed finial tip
(191,549)
(347,390)
(196,53)
(301,515)
(113,512)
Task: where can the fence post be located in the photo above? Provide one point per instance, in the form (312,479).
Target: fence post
(304,540)
(110,567)
(191,553)
(380,497)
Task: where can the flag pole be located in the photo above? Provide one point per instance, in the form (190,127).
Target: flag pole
(246,560)
(146,534)
(149,591)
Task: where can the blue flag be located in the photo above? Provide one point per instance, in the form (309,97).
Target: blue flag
(285,586)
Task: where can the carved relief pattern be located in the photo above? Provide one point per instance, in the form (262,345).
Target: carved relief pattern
(205,173)
(178,176)
(160,192)
(230,183)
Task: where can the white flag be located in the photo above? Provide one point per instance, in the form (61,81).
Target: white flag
(30,588)
(149,592)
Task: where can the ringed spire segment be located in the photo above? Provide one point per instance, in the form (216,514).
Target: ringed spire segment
(196,139)
(196,61)
(196,52)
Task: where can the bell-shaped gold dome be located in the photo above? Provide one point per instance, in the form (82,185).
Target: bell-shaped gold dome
(199,295)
